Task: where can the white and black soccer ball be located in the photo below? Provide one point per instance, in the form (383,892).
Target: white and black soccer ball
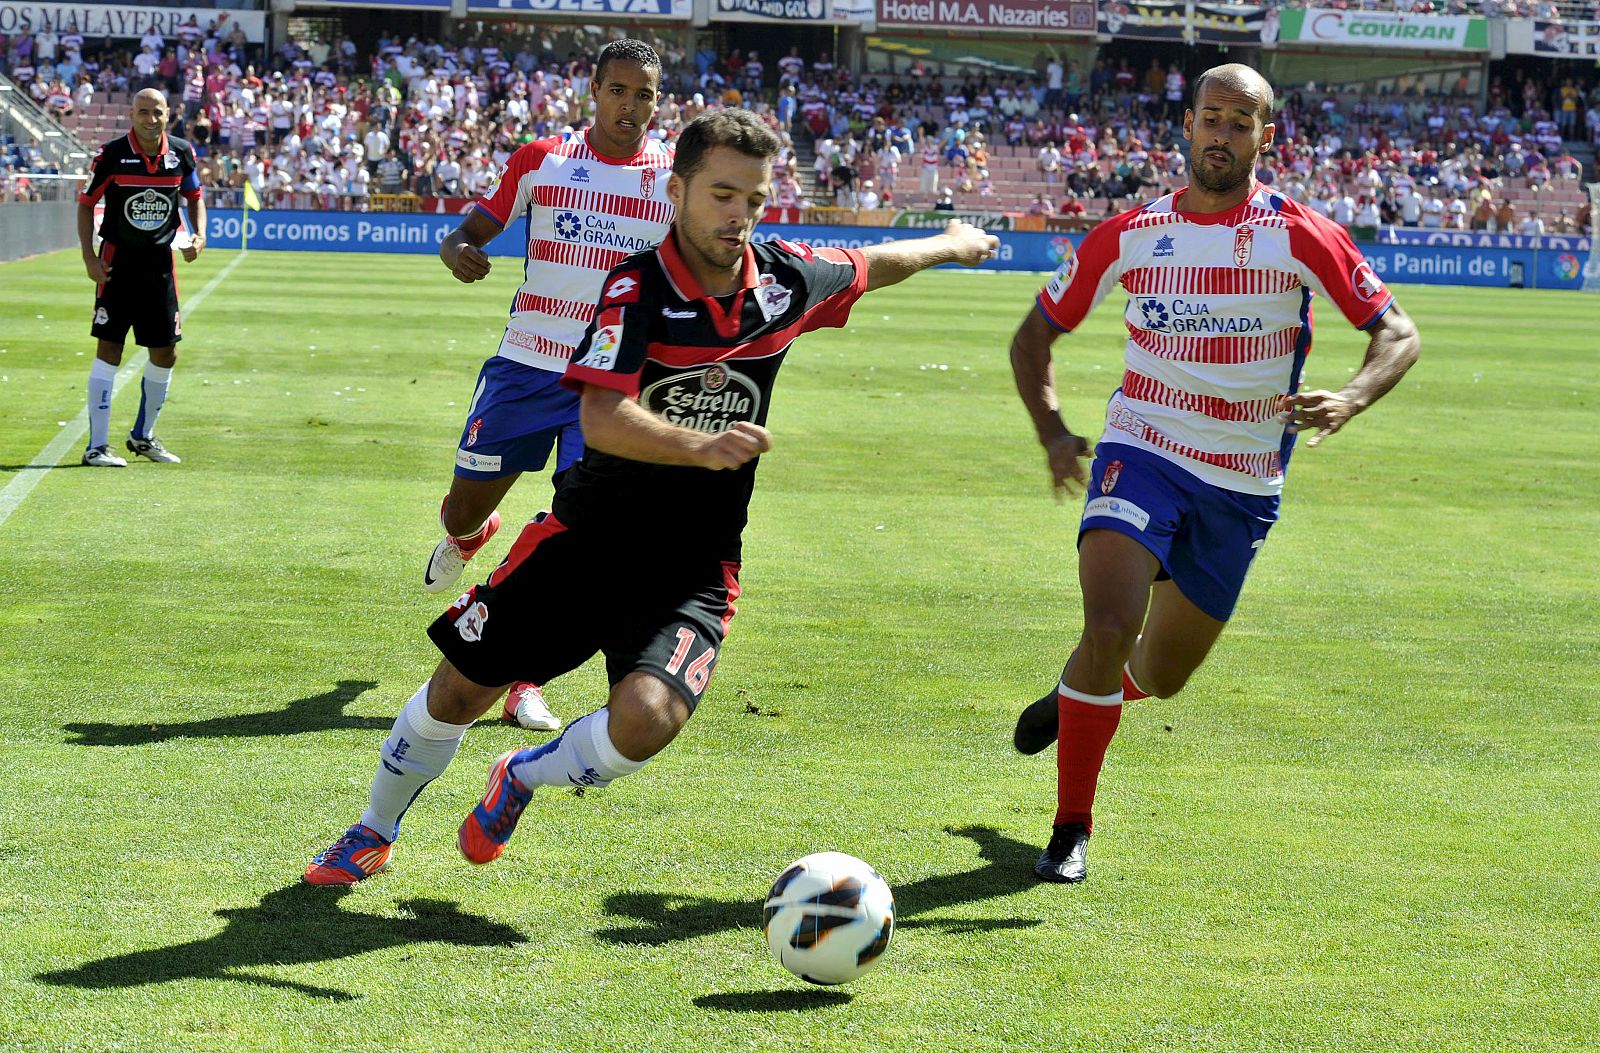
(829,918)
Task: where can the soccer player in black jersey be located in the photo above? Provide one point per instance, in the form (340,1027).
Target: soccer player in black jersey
(675,375)
(140,177)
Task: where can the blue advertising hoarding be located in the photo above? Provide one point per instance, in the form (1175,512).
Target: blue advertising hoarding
(1542,268)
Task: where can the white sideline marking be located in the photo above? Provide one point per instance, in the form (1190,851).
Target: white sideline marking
(22,485)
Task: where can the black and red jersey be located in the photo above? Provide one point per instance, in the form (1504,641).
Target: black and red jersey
(702,362)
(141,193)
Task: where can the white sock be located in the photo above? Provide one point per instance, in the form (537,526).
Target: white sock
(417,751)
(102,376)
(157,381)
(583,755)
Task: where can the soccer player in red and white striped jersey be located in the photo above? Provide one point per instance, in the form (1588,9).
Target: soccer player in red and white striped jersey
(587,200)
(1186,476)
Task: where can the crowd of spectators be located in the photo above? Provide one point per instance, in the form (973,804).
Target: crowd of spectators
(329,125)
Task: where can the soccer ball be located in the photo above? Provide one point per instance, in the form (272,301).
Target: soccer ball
(829,918)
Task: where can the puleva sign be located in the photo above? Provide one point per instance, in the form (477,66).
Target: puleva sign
(1382,29)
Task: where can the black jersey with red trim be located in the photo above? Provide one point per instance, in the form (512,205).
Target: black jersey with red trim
(141,193)
(702,362)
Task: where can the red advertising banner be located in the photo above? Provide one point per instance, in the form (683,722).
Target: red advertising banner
(1062,16)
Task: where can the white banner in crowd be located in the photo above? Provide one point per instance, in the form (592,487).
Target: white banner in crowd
(112,20)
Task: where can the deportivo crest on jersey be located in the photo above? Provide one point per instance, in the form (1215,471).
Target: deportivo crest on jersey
(647,182)
(472,431)
(1241,245)
(1108,481)
(773,299)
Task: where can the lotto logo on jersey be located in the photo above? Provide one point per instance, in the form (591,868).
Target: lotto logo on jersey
(1062,280)
(1365,282)
(623,289)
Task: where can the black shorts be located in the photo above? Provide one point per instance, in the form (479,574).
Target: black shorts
(142,293)
(562,595)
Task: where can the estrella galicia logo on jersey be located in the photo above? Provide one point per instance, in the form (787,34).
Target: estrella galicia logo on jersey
(647,182)
(471,622)
(148,210)
(568,226)
(101,316)
(1155,314)
(1163,247)
(1365,282)
(1108,480)
(472,431)
(711,399)
(1241,245)
(579,174)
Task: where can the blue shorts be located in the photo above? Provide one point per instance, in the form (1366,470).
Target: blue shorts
(518,414)
(1204,536)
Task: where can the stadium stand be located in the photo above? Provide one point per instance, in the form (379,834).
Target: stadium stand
(424,123)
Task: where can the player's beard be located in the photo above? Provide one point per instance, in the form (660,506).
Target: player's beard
(1223,181)
(707,242)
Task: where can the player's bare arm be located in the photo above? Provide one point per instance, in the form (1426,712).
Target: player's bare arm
(616,424)
(196,210)
(462,250)
(1036,382)
(98,270)
(896,261)
(1392,349)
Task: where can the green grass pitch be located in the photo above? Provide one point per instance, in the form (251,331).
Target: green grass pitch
(1370,822)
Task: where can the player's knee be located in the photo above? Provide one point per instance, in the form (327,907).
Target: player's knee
(1162,683)
(454,699)
(646,715)
(1109,636)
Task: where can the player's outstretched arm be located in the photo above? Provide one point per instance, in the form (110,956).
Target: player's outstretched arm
(1036,382)
(462,250)
(616,424)
(1392,349)
(895,261)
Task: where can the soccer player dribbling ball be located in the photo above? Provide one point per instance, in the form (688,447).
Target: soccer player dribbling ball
(591,198)
(643,542)
(140,177)
(1186,476)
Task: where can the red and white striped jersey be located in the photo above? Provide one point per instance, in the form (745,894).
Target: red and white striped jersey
(1219,325)
(585,213)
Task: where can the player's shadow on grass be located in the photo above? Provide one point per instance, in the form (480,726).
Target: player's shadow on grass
(1008,868)
(324,712)
(292,926)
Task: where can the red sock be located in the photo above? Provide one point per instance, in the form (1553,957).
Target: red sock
(1131,692)
(1086,731)
(470,544)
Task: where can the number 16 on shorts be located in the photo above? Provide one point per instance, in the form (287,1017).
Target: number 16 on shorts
(698,673)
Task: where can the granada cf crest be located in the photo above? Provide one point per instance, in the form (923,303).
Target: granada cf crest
(647,182)
(1108,481)
(472,432)
(1241,245)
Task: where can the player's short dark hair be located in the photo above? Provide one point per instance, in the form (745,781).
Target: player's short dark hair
(626,49)
(740,130)
(1238,78)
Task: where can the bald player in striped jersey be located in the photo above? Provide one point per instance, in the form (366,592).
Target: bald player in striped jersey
(587,200)
(1186,476)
